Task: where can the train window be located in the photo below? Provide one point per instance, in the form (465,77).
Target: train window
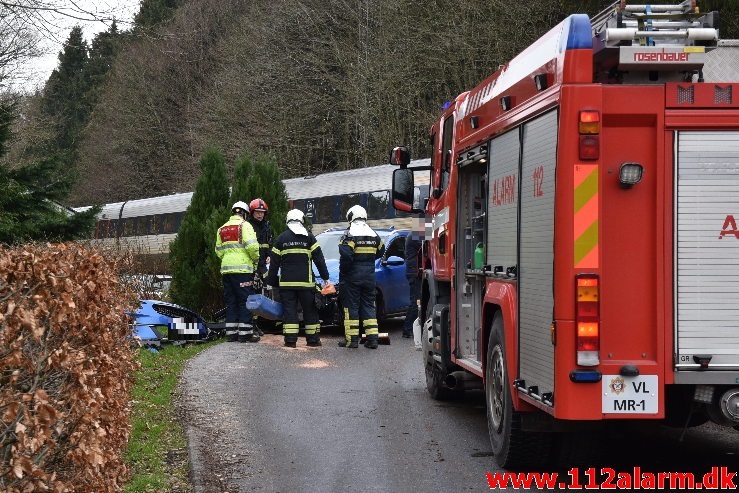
(377,204)
(325,209)
(156,223)
(129,226)
(168,224)
(114,228)
(346,202)
(103,229)
(310,210)
(178,216)
(142,226)
(298,204)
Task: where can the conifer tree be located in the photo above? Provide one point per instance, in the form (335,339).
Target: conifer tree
(102,54)
(243,169)
(266,183)
(192,257)
(30,195)
(259,177)
(63,97)
(155,12)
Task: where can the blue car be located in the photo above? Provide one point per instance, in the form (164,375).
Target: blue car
(392,285)
(158,321)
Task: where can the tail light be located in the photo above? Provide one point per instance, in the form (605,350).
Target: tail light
(588,319)
(589,129)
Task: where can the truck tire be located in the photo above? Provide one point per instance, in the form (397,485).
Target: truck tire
(435,382)
(435,374)
(512,446)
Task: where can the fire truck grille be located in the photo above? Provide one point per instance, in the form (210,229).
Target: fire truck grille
(685,95)
(722,94)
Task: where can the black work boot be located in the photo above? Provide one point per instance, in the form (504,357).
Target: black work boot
(313,340)
(232,338)
(353,344)
(291,341)
(371,342)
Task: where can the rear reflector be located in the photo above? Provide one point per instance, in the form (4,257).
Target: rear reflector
(589,147)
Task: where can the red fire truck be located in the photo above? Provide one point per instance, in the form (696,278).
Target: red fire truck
(582,259)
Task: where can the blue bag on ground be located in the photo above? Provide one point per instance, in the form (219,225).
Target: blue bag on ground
(264,307)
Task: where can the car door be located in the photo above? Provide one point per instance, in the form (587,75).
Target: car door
(391,280)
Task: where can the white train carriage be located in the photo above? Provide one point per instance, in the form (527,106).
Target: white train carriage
(325,198)
(148,226)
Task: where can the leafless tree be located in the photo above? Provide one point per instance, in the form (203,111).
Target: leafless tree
(24,23)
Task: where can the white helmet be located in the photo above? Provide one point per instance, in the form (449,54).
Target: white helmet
(295,215)
(240,205)
(356,212)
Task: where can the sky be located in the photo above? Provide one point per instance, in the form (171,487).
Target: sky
(82,13)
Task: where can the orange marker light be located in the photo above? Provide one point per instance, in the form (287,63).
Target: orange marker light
(589,122)
(587,315)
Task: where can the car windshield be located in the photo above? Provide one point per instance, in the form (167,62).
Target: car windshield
(330,242)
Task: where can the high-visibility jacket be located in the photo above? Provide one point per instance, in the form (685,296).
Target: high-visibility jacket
(293,255)
(237,246)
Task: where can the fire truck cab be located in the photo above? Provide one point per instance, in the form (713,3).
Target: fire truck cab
(583,262)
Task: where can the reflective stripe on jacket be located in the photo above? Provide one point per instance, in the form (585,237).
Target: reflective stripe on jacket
(237,246)
(357,257)
(293,255)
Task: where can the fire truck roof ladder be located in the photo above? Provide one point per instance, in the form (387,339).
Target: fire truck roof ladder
(649,25)
(630,32)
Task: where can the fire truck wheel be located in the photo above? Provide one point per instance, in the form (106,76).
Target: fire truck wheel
(435,374)
(512,447)
(435,382)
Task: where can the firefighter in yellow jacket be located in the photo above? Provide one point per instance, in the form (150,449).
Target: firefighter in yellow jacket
(238,249)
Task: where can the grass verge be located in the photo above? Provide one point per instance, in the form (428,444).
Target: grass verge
(157,449)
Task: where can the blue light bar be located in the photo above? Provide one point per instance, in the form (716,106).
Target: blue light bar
(580,34)
(585,376)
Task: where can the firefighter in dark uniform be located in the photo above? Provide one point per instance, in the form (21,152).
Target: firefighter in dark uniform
(259,209)
(358,248)
(237,247)
(293,253)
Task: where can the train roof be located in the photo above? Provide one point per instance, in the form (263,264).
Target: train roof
(340,182)
(360,180)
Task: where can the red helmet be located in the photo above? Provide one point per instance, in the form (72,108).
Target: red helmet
(258,205)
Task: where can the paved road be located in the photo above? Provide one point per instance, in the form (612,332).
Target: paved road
(261,417)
